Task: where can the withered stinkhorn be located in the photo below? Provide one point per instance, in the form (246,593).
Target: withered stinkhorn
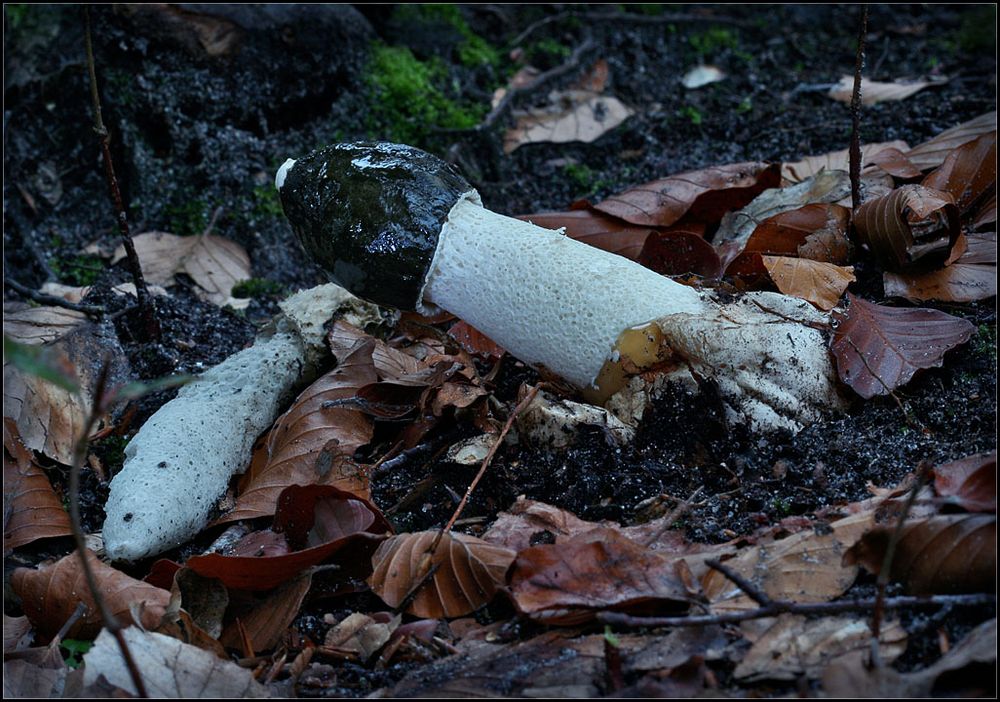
(401,228)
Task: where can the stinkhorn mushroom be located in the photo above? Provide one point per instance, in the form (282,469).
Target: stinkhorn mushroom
(401,228)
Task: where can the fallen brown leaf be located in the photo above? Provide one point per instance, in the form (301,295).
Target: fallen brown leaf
(32,510)
(267,622)
(873,92)
(970,482)
(969,174)
(932,153)
(51,593)
(877,349)
(468,572)
(972,277)
(820,283)
(798,171)
(595,228)
(39,324)
(940,554)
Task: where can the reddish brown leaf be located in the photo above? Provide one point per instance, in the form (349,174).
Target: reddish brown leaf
(32,510)
(678,252)
(702,196)
(909,224)
(474,341)
(320,520)
(972,277)
(932,153)
(569,582)
(817,231)
(878,348)
(987,215)
(836,160)
(941,554)
(266,624)
(596,229)
(969,174)
(820,283)
(313,443)
(50,594)
(970,482)
(895,163)
(468,572)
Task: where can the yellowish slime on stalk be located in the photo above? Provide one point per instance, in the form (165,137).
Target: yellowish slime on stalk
(636,350)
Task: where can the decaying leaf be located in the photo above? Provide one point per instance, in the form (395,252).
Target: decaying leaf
(467,572)
(873,92)
(940,554)
(170,668)
(794,645)
(51,593)
(677,252)
(312,443)
(932,153)
(696,195)
(798,171)
(362,635)
(39,324)
(972,277)
(820,283)
(824,187)
(877,348)
(215,263)
(317,521)
(970,482)
(474,341)
(596,229)
(804,567)
(32,510)
(702,75)
(969,173)
(266,624)
(911,223)
(567,583)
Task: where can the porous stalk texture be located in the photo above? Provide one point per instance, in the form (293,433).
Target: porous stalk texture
(180,462)
(548,299)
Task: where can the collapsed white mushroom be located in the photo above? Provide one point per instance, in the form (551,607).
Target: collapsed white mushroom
(398,226)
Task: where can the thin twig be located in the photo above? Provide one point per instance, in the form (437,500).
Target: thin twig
(781,607)
(146,304)
(751,590)
(855,166)
(676,514)
(79,456)
(923,473)
(54,300)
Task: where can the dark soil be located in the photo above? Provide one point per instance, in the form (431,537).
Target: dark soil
(204,102)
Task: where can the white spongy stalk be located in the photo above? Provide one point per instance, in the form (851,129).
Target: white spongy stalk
(180,462)
(549,300)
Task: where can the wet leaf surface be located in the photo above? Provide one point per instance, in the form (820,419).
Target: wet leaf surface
(595,228)
(972,277)
(879,348)
(969,174)
(970,482)
(933,152)
(820,283)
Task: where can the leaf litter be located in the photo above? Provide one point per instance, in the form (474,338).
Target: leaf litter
(386,398)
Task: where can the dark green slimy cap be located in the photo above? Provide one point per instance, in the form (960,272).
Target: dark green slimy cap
(370,214)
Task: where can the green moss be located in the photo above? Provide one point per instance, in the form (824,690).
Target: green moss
(712,40)
(258,288)
(746,105)
(407,102)
(15,13)
(985,342)
(77,270)
(546,52)
(266,202)
(582,175)
(977,32)
(692,113)
(74,650)
(473,51)
(111,450)
(187,218)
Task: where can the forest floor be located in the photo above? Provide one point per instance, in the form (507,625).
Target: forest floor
(205,102)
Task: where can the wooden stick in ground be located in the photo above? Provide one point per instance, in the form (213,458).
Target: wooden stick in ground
(147,308)
(855,156)
(79,455)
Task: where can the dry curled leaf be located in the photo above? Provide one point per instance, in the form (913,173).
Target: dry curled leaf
(969,174)
(933,152)
(972,277)
(569,582)
(798,171)
(32,510)
(969,482)
(39,324)
(940,554)
(701,196)
(267,623)
(873,92)
(909,224)
(820,283)
(877,349)
(467,572)
(51,593)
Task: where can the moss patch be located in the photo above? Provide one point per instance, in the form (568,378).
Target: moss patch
(78,270)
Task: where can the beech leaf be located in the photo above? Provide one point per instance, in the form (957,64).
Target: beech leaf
(878,349)
(820,283)
(940,554)
(969,174)
(701,195)
(911,223)
(468,572)
(32,510)
(809,166)
(933,152)
(38,325)
(51,593)
(873,92)
(596,229)
(972,277)
(970,482)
